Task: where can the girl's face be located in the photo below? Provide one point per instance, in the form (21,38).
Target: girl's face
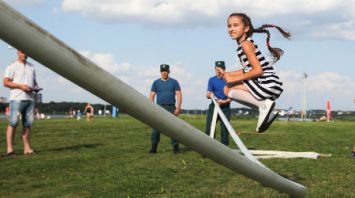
(236,28)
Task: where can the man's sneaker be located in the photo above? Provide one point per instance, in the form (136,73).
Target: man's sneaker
(264,112)
(154,148)
(266,125)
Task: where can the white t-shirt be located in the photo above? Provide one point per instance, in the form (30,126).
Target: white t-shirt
(22,74)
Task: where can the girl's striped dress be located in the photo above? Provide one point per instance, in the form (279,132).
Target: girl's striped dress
(266,86)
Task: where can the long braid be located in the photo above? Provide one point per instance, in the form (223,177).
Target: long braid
(275,52)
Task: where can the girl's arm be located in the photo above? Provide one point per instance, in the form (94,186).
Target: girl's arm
(256,71)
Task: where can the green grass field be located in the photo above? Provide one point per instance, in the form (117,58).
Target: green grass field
(109,158)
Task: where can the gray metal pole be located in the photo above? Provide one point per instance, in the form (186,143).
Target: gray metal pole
(40,45)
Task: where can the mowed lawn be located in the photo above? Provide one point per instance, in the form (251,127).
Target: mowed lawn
(109,158)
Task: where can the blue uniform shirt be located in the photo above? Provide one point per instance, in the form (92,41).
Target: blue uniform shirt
(165,91)
(216,85)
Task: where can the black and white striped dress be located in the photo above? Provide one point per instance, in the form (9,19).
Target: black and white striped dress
(266,86)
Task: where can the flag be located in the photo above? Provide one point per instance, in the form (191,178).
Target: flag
(329,112)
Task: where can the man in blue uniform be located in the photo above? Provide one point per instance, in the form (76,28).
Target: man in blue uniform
(215,89)
(165,89)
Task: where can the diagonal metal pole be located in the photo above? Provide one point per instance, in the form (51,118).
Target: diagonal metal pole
(25,35)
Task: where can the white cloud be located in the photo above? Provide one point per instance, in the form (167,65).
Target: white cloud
(319,88)
(315,18)
(326,82)
(142,79)
(332,83)
(107,62)
(282,7)
(151,72)
(154,11)
(337,30)
(292,82)
(138,78)
(177,71)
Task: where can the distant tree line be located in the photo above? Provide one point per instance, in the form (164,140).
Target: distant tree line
(65,107)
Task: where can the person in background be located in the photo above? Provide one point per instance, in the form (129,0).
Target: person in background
(215,89)
(89,111)
(20,78)
(165,89)
(78,115)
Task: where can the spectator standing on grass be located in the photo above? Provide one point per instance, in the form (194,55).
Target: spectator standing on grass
(20,78)
(89,111)
(215,89)
(78,115)
(165,89)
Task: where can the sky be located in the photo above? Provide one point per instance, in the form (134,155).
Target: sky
(131,38)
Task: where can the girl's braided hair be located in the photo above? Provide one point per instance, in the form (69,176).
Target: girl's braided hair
(275,52)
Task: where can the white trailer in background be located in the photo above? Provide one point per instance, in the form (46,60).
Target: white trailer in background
(23,34)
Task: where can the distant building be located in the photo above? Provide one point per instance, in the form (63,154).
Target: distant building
(3,100)
(38,98)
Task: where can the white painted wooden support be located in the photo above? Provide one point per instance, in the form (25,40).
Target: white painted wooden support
(214,122)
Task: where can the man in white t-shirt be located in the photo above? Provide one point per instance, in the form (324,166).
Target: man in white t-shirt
(20,77)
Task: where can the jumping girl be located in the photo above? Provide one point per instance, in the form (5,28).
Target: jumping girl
(256,84)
